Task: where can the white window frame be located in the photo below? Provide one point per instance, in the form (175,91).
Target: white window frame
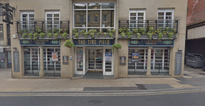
(136,12)
(51,12)
(101,21)
(28,19)
(165,11)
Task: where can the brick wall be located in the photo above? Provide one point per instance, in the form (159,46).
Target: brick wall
(196,11)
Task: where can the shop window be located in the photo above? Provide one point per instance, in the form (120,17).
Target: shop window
(1,35)
(137,61)
(160,59)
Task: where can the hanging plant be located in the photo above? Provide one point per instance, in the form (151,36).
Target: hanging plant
(35,35)
(30,35)
(24,35)
(160,36)
(56,35)
(123,34)
(69,43)
(116,46)
(49,35)
(64,35)
(41,35)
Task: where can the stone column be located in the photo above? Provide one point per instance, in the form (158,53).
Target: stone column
(149,62)
(41,73)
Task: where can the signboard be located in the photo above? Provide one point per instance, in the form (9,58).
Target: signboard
(54,56)
(65,60)
(40,42)
(2,59)
(155,42)
(178,63)
(135,56)
(108,56)
(122,60)
(94,42)
(16,61)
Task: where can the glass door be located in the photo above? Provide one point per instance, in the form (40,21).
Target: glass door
(80,60)
(95,60)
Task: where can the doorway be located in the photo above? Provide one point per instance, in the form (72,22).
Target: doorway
(95,59)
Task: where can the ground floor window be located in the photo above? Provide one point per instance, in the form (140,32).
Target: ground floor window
(137,61)
(160,59)
(32,61)
(51,67)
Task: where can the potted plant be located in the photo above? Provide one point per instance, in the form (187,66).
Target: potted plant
(69,43)
(116,46)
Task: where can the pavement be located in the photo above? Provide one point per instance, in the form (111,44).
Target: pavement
(193,79)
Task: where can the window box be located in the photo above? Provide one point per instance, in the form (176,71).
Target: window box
(146,37)
(95,37)
(45,37)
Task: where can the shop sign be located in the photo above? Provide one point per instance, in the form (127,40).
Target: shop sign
(122,60)
(151,42)
(40,42)
(2,59)
(16,61)
(108,56)
(135,56)
(54,56)
(87,42)
(65,60)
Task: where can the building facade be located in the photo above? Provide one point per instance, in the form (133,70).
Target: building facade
(195,27)
(5,44)
(151,34)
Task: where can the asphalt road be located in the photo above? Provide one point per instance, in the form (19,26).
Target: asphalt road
(189,99)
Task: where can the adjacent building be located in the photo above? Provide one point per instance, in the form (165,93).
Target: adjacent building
(41,27)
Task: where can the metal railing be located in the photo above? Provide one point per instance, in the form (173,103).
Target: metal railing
(146,24)
(45,26)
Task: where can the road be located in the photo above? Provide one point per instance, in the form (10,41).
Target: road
(188,99)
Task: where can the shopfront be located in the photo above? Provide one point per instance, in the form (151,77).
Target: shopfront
(95,56)
(138,56)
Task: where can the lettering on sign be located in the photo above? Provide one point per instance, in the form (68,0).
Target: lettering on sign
(152,42)
(94,42)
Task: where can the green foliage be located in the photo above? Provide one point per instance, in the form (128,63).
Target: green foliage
(98,34)
(138,35)
(24,35)
(30,35)
(116,46)
(123,34)
(49,31)
(129,34)
(66,31)
(120,30)
(49,35)
(41,35)
(60,30)
(160,35)
(35,35)
(150,35)
(20,32)
(105,34)
(76,35)
(142,31)
(135,31)
(55,31)
(111,35)
(64,35)
(56,35)
(75,31)
(38,30)
(170,35)
(92,34)
(69,43)
(86,35)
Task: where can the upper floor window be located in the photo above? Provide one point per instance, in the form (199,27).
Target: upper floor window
(137,19)
(99,16)
(165,18)
(27,21)
(52,20)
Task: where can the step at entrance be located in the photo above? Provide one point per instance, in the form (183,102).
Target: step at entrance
(78,76)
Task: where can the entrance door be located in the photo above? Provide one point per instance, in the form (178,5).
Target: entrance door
(95,59)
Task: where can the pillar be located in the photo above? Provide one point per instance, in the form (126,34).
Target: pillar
(149,62)
(41,73)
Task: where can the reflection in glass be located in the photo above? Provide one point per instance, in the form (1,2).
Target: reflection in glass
(80,6)
(94,18)
(80,17)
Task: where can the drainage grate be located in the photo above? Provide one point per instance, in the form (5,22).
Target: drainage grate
(141,87)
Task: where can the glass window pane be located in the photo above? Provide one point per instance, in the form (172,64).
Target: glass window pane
(95,17)
(56,15)
(31,15)
(80,18)
(80,6)
(49,15)
(93,6)
(110,18)
(132,14)
(108,5)
(141,14)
